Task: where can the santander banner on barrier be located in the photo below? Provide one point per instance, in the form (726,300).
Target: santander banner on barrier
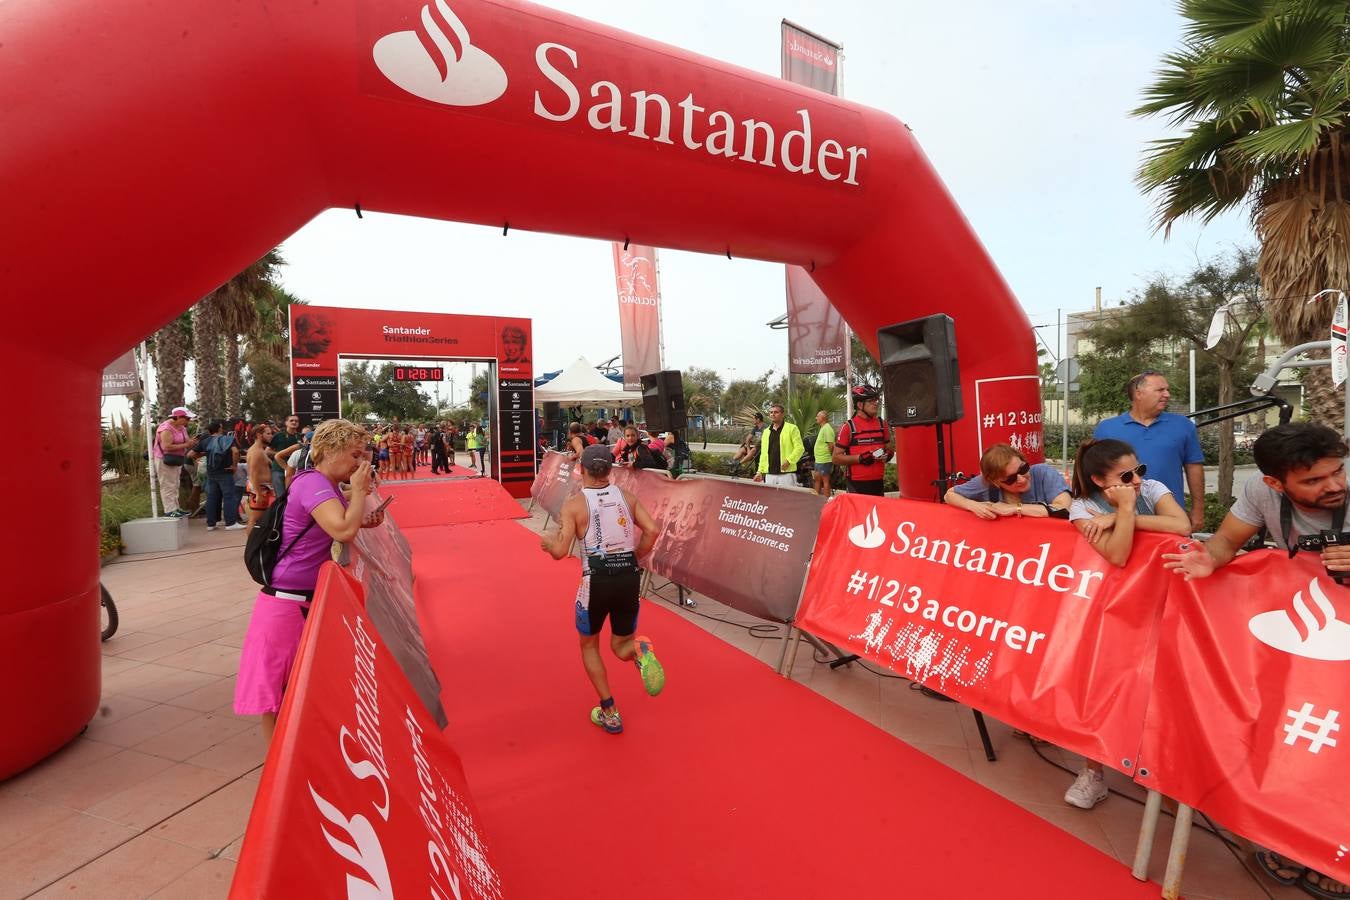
(1023,620)
(363,799)
(1250,694)
(555,482)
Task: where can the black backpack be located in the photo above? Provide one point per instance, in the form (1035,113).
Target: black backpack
(263,548)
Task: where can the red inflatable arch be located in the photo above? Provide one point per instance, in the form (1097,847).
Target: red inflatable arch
(154,149)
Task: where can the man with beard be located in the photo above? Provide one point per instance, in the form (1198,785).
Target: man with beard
(1301,492)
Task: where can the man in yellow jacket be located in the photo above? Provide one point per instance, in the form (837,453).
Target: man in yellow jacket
(780,446)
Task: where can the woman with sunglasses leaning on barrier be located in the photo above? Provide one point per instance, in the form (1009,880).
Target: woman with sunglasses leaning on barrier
(1111,501)
(1010,486)
(332,496)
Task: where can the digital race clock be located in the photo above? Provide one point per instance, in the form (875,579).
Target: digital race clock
(419,373)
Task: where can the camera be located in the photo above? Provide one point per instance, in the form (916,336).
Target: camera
(1316,543)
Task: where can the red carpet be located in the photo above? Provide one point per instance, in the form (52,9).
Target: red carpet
(734,783)
(420,504)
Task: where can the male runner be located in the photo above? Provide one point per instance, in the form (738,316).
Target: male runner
(604,516)
(865,444)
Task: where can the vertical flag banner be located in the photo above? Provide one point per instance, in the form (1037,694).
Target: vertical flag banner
(1338,323)
(121,376)
(639,312)
(816,332)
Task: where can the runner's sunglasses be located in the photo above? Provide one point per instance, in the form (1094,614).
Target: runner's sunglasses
(1021,470)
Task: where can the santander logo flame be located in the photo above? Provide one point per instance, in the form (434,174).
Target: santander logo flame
(1305,628)
(868,535)
(440,67)
(362,849)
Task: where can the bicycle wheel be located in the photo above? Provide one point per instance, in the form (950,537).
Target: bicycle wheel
(109,613)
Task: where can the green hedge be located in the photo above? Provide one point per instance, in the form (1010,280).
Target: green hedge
(1209,443)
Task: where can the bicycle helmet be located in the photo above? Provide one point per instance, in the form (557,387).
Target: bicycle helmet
(862,392)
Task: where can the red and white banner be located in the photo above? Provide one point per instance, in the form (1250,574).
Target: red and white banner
(817,333)
(1008,411)
(809,59)
(1250,696)
(361,795)
(639,312)
(1019,618)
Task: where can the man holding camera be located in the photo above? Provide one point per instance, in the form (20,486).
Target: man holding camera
(1301,499)
(1300,495)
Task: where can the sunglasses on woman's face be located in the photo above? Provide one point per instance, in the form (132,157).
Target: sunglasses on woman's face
(1023,469)
(1128,475)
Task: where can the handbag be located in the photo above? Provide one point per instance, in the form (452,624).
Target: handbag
(174,459)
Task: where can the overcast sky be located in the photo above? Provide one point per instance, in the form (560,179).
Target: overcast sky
(1022,108)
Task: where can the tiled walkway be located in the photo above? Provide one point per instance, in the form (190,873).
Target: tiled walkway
(153,799)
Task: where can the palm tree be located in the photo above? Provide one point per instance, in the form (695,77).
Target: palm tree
(170,353)
(1262,89)
(236,308)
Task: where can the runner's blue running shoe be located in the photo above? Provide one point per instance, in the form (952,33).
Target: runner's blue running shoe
(653,675)
(608,720)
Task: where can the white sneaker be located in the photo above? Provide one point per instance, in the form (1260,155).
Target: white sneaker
(237,526)
(1087,791)
(210,528)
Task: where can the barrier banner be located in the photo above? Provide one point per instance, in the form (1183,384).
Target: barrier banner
(361,795)
(639,312)
(555,481)
(1020,618)
(743,544)
(381,560)
(1250,697)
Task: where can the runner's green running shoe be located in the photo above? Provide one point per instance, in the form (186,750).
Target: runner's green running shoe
(653,676)
(609,721)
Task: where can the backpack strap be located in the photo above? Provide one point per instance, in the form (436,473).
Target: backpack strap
(304,531)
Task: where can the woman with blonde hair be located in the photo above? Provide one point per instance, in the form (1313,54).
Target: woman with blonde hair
(1010,486)
(331,496)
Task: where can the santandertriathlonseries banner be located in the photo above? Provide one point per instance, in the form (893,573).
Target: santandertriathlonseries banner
(816,331)
(639,312)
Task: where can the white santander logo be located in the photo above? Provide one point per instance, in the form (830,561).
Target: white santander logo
(868,535)
(458,74)
(1314,631)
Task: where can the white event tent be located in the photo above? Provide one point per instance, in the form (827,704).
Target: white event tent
(581,385)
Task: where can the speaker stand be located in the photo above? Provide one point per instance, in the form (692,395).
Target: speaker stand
(940,485)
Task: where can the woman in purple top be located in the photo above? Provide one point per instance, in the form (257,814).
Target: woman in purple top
(319,511)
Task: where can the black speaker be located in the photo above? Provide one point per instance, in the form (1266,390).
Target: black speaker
(919,373)
(663,401)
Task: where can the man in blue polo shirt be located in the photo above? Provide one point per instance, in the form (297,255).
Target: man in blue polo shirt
(1165,442)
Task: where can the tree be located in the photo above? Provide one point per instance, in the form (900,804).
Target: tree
(865,368)
(1159,327)
(376,391)
(170,355)
(810,396)
(236,308)
(702,390)
(746,392)
(1261,88)
(265,389)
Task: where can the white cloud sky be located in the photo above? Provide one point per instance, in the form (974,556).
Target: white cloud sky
(1022,108)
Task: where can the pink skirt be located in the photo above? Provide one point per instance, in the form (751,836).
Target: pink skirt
(270,646)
